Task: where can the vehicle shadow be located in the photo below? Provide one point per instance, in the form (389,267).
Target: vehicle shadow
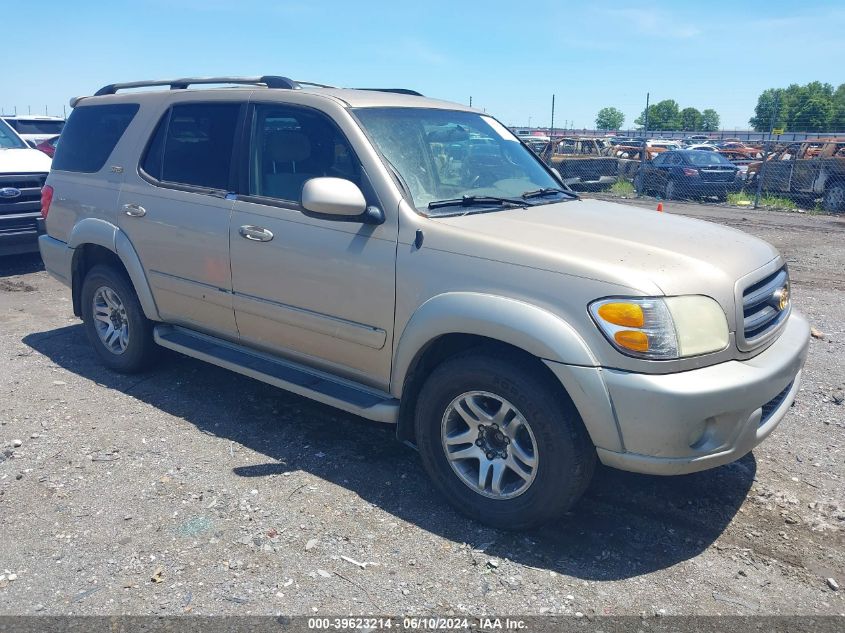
(11,265)
(626,524)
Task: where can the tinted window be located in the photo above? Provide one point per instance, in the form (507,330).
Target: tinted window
(35,126)
(90,135)
(289,146)
(659,159)
(192,145)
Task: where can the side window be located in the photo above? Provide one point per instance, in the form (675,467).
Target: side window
(659,159)
(90,136)
(192,145)
(673,159)
(290,146)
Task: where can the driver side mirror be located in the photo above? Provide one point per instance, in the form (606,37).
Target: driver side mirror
(340,198)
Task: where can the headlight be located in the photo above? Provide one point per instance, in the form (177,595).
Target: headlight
(662,328)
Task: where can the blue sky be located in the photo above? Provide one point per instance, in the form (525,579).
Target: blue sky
(509,56)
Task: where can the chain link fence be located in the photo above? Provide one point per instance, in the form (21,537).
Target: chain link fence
(796,171)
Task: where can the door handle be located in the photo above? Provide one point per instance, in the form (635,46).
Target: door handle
(255,233)
(134,210)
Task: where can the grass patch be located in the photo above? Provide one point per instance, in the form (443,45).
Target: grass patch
(744,199)
(622,188)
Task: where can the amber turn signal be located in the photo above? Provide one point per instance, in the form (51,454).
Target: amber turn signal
(632,340)
(624,314)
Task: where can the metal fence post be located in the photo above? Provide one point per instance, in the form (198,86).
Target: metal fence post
(639,181)
(762,174)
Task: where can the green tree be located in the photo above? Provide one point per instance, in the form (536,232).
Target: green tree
(710,120)
(837,122)
(690,119)
(609,119)
(766,103)
(814,107)
(664,115)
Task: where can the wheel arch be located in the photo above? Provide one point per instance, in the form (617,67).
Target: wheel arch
(95,241)
(453,323)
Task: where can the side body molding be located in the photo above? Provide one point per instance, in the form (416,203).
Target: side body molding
(107,235)
(520,324)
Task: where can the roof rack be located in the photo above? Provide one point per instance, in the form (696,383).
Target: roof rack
(271,81)
(399,91)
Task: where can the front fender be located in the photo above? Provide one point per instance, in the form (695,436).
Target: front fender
(109,236)
(532,329)
(527,327)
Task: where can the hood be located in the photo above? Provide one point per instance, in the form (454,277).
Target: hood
(14,161)
(654,253)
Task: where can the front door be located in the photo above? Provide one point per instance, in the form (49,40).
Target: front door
(316,290)
(175,211)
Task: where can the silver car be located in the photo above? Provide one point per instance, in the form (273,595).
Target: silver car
(410,261)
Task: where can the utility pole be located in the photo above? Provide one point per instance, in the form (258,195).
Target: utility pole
(761,174)
(552,128)
(643,150)
(470,101)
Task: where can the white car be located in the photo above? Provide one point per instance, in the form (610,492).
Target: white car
(35,129)
(23,171)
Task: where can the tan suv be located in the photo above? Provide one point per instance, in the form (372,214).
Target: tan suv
(412,262)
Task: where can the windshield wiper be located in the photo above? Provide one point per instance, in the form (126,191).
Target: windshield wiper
(473,201)
(547,191)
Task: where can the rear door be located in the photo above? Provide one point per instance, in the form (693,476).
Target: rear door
(175,210)
(314,289)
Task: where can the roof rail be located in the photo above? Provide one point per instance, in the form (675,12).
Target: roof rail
(271,81)
(399,91)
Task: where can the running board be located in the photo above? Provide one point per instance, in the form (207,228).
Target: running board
(313,384)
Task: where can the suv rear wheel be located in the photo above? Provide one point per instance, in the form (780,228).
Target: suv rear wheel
(114,321)
(500,442)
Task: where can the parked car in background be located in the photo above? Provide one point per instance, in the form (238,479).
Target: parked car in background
(688,174)
(811,169)
(35,129)
(48,146)
(582,162)
(23,171)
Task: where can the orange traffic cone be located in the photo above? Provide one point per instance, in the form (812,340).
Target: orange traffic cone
(660,207)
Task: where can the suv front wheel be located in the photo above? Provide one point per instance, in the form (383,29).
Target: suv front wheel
(114,321)
(501,442)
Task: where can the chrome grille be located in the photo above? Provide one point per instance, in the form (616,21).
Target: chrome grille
(761,312)
(29,201)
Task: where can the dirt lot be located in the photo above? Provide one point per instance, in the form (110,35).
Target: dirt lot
(192,489)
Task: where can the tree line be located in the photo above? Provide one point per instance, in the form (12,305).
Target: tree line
(814,107)
(664,115)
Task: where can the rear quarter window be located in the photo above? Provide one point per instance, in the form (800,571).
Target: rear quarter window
(90,136)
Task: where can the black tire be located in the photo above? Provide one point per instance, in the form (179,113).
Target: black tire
(140,350)
(565,455)
(834,198)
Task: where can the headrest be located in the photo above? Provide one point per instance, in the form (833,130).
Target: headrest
(287,146)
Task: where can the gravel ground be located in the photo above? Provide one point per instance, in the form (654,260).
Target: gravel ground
(194,490)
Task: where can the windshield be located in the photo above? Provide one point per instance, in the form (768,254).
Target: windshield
(36,126)
(8,139)
(447,154)
(704,159)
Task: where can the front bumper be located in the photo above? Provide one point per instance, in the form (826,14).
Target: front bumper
(694,420)
(695,187)
(19,233)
